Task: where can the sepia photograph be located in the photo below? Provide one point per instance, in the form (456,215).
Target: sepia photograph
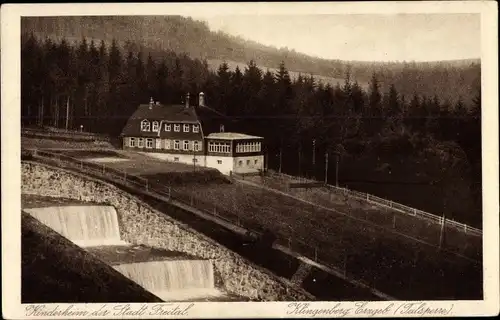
(216,156)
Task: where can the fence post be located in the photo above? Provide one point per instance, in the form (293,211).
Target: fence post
(394,221)
(465,228)
(316,254)
(169,193)
(367,197)
(215,211)
(414,211)
(191,199)
(390,203)
(290,243)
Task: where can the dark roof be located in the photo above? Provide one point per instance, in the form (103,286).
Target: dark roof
(209,118)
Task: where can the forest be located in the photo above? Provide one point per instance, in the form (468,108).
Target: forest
(420,150)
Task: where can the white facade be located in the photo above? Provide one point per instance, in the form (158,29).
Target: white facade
(248,164)
(223,164)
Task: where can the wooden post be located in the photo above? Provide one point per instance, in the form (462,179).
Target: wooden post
(337,171)
(300,161)
(281,158)
(441,234)
(67,113)
(326,168)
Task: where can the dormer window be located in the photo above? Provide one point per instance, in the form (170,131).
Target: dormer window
(145,125)
(177,127)
(196,128)
(155,126)
(186,128)
(168,127)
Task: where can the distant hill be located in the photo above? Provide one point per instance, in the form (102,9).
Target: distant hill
(449,80)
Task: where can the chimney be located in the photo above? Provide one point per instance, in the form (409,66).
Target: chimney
(151,102)
(187,100)
(201,101)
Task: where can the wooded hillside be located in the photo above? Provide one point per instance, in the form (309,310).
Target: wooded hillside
(448,80)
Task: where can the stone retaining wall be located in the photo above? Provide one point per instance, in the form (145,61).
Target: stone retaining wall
(140,224)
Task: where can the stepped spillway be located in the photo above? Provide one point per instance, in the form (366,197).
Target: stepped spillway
(96,228)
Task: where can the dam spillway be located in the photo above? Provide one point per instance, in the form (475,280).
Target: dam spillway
(86,226)
(96,229)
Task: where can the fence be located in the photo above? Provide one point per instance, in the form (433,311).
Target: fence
(389,204)
(63,134)
(396,276)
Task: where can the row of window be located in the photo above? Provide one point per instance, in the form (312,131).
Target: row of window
(221,147)
(167,144)
(146,126)
(248,147)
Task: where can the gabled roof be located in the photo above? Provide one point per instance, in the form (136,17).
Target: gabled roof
(209,119)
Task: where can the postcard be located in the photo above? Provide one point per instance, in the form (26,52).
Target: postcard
(237,160)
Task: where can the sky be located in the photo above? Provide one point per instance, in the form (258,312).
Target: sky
(368,37)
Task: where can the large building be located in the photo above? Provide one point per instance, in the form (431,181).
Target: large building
(192,135)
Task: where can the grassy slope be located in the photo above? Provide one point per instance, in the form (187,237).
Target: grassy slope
(393,261)
(56,270)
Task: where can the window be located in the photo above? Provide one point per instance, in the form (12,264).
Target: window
(149,143)
(248,162)
(177,127)
(167,144)
(240,163)
(140,143)
(155,126)
(145,126)
(186,127)
(168,127)
(186,145)
(255,161)
(131,142)
(196,128)
(196,146)
(220,147)
(219,161)
(258,146)
(176,159)
(195,160)
(177,145)
(158,144)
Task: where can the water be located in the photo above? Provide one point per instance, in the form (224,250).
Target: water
(97,226)
(173,280)
(86,226)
